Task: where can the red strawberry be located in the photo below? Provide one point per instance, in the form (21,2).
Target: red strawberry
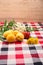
(26,35)
(1,23)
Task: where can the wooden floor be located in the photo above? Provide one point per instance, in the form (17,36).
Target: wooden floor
(21,10)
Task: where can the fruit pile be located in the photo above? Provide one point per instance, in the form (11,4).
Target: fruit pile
(12,36)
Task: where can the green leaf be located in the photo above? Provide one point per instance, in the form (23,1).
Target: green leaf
(10,23)
(32,29)
(28,29)
(5,28)
(5,23)
(1,37)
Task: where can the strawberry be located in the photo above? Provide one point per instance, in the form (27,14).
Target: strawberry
(1,23)
(26,35)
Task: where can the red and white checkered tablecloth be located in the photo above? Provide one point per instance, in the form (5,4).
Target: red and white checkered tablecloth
(20,53)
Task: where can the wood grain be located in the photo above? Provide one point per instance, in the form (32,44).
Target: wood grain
(21,10)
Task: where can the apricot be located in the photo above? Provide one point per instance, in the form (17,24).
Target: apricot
(7,33)
(19,36)
(15,32)
(11,38)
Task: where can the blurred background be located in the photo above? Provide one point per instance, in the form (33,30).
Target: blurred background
(21,10)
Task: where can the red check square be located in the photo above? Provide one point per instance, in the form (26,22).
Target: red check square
(35,55)
(3,57)
(19,56)
(20,64)
(18,48)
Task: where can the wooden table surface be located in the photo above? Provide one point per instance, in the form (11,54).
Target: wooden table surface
(21,10)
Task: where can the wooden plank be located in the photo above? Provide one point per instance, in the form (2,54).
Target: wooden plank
(21,10)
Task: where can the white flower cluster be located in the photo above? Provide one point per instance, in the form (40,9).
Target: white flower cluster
(19,26)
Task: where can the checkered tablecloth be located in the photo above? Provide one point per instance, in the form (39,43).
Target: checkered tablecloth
(20,53)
